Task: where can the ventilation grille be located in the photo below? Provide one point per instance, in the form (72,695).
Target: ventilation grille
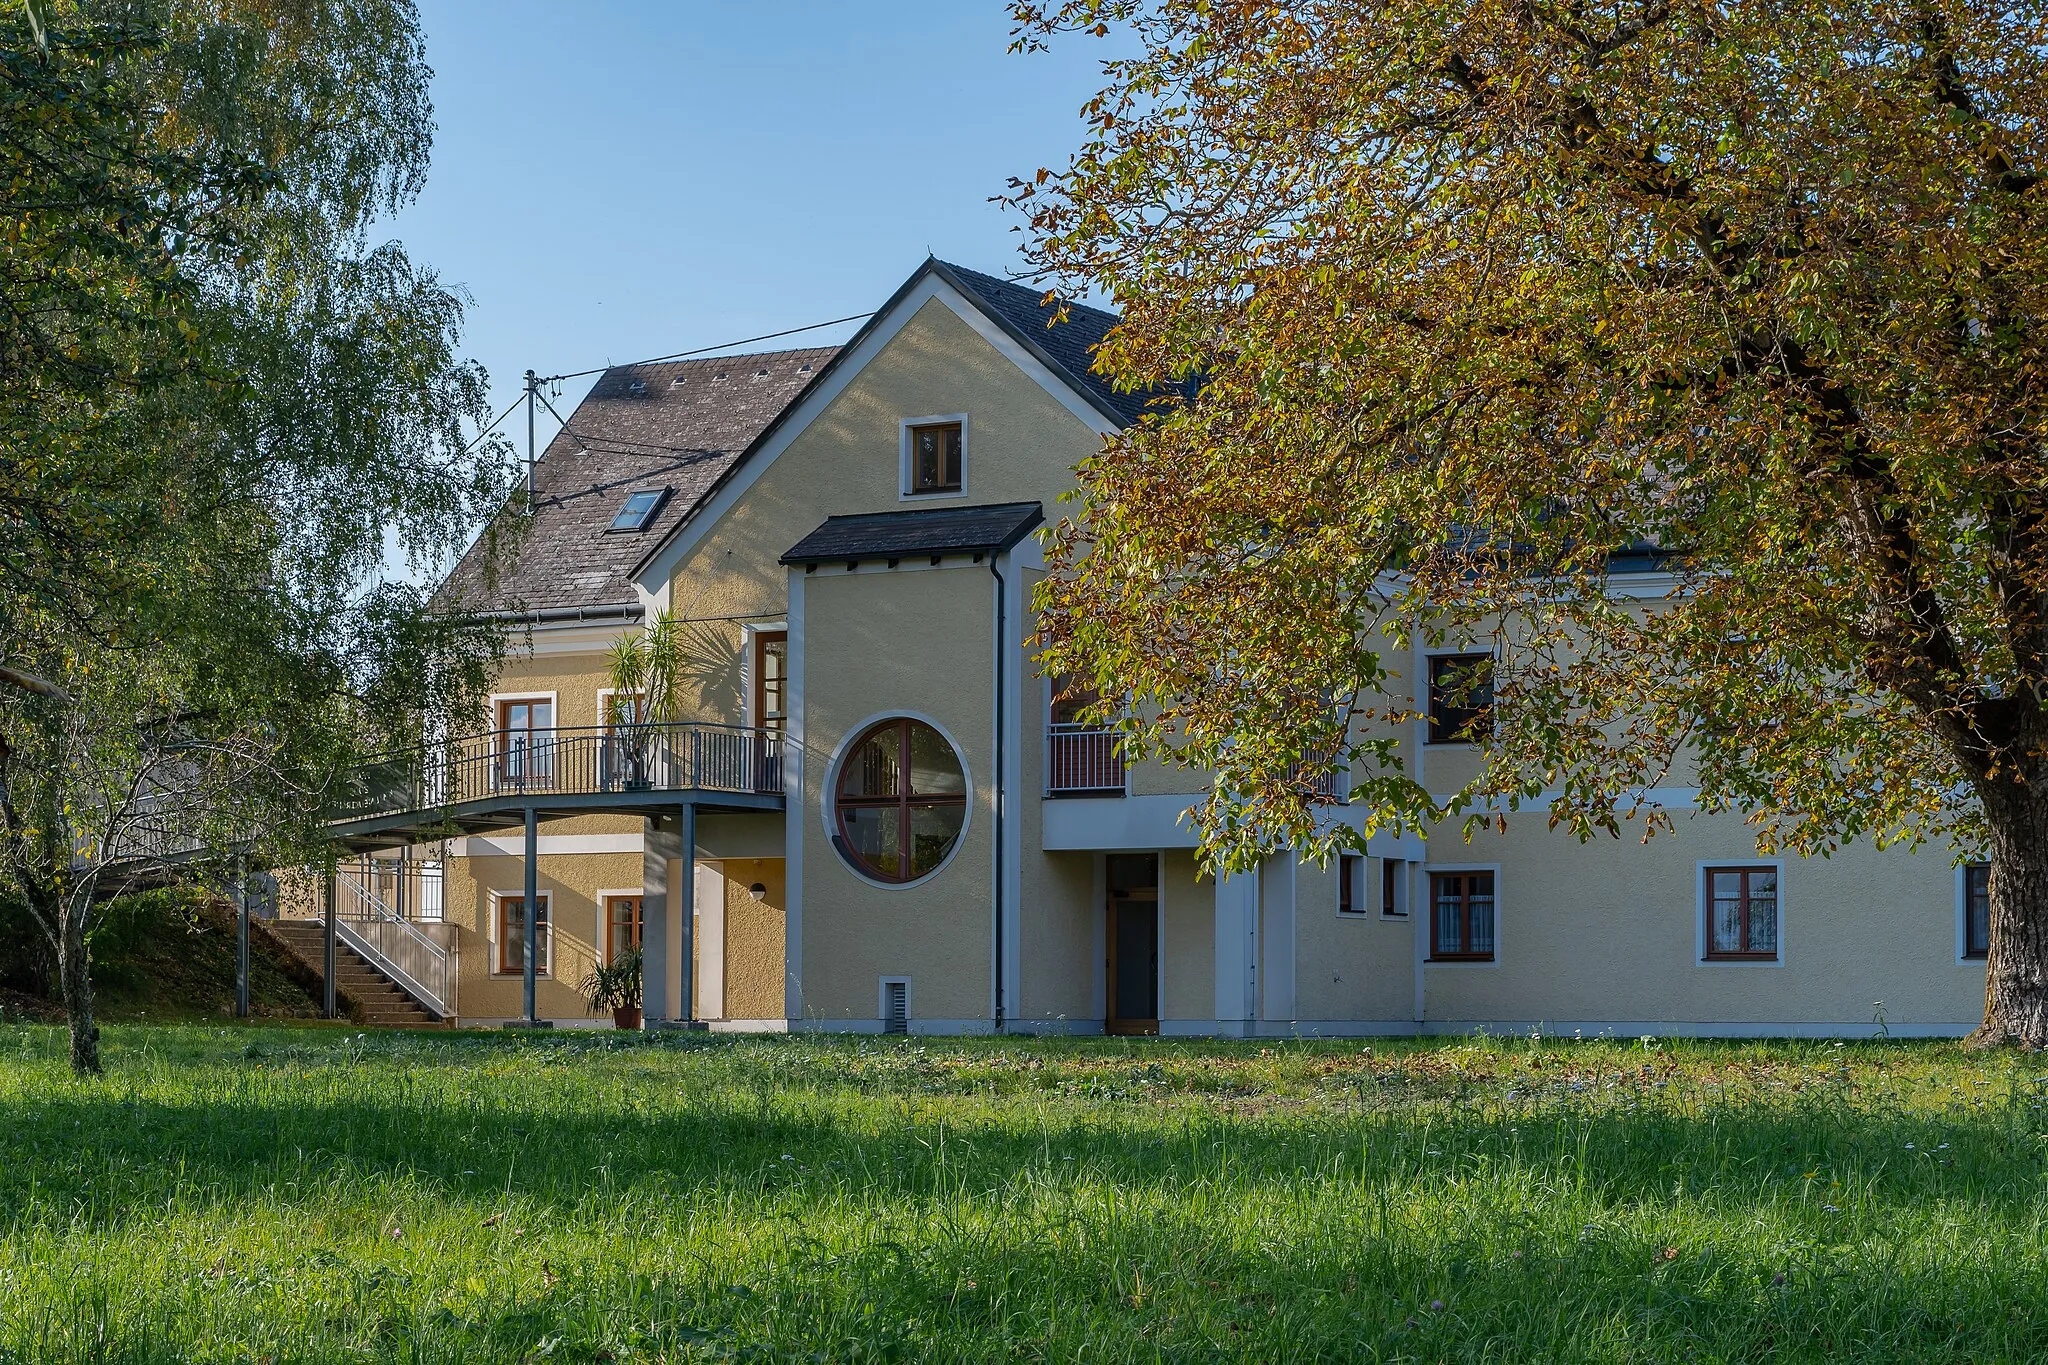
(895,1007)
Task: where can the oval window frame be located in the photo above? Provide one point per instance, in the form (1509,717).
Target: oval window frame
(829,811)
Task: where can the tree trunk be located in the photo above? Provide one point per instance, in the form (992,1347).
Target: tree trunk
(2016,972)
(74,971)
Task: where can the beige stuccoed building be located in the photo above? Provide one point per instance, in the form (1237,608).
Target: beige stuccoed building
(850,534)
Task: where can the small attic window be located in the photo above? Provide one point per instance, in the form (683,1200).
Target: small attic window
(719,377)
(803,369)
(677,382)
(637,387)
(639,510)
(761,373)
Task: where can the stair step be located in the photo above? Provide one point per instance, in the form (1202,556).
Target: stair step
(378,1001)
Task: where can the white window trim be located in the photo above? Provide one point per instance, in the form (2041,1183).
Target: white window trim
(903,481)
(1428,910)
(748,720)
(545,969)
(604,706)
(603,939)
(553,699)
(1962,885)
(1429,656)
(1364,886)
(882,1002)
(1699,912)
(1404,885)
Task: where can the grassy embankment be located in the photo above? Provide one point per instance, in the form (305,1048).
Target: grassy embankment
(231,1194)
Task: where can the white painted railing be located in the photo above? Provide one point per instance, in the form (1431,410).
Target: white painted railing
(387,938)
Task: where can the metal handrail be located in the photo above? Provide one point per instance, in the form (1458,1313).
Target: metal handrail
(1083,758)
(393,944)
(581,760)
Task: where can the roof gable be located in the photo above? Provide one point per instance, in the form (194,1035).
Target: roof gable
(1012,317)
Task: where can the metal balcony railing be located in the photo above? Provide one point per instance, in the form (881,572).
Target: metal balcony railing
(367,920)
(588,760)
(1083,759)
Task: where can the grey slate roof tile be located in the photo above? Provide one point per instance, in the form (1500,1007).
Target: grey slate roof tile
(682,428)
(926,531)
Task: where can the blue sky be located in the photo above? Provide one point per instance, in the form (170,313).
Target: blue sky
(616,180)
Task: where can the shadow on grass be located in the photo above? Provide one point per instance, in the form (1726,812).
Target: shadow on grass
(1349,1226)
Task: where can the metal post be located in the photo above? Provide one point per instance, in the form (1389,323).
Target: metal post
(686,913)
(532,907)
(241,938)
(532,390)
(328,1004)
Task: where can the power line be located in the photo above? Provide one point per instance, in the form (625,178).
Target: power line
(486,430)
(705,350)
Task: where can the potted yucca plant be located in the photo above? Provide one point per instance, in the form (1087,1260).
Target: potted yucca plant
(646,671)
(615,986)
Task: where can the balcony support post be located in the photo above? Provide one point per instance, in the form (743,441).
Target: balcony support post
(327,940)
(532,911)
(241,938)
(658,848)
(686,919)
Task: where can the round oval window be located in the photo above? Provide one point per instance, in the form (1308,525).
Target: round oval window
(900,801)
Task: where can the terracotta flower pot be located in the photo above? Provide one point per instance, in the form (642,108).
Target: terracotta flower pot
(626,1016)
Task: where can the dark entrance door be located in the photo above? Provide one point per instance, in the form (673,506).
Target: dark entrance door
(1133,943)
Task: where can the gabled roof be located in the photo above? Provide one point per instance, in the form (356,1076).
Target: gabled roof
(987,529)
(677,425)
(1066,348)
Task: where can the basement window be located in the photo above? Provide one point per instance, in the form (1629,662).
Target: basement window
(639,510)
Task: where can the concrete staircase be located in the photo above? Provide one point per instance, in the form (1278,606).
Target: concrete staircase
(370,996)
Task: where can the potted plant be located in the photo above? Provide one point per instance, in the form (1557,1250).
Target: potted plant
(646,677)
(615,986)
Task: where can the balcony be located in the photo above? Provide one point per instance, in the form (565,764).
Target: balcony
(592,767)
(1083,760)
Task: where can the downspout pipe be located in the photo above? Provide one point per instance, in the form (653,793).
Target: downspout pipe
(1002,800)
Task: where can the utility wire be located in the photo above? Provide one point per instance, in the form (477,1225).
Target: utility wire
(484,431)
(704,350)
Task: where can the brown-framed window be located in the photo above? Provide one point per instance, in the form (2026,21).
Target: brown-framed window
(1742,914)
(512,935)
(1393,899)
(1460,698)
(900,801)
(1350,884)
(1977,910)
(935,458)
(770,668)
(526,739)
(1461,916)
(623,921)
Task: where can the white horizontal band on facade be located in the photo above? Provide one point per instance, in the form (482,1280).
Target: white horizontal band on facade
(514,845)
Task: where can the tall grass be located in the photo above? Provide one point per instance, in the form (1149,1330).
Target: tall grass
(303,1194)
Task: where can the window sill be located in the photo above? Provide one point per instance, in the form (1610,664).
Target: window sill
(1742,959)
(921,494)
(1462,959)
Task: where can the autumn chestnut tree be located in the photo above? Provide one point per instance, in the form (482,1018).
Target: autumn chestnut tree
(1482,293)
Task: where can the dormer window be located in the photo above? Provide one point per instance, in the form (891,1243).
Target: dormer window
(934,457)
(639,510)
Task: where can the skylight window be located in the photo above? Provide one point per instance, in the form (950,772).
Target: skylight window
(639,509)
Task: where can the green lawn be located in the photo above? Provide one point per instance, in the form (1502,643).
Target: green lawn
(286,1194)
